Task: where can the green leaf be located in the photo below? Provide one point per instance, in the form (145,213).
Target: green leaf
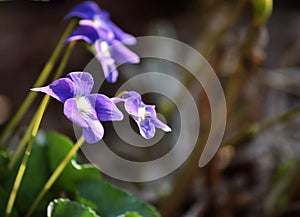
(130,214)
(58,147)
(36,175)
(67,208)
(111,201)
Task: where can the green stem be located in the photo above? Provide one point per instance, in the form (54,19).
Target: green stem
(22,167)
(64,61)
(55,175)
(122,93)
(39,82)
(26,136)
(35,127)
(22,144)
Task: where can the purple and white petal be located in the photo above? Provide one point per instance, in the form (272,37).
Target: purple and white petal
(86,22)
(61,89)
(85,10)
(132,106)
(159,124)
(81,111)
(110,70)
(121,35)
(104,14)
(121,54)
(131,94)
(132,103)
(107,62)
(72,112)
(98,24)
(152,116)
(105,108)
(84,32)
(94,132)
(150,111)
(83,82)
(147,129)
(116,100)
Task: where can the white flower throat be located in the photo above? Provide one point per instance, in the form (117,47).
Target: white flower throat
(84,106)
(104,47)
(142,112)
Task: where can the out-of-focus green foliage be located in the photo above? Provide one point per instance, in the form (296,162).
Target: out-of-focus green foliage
(85,181)
(31,183)
(111,201)
(58,148)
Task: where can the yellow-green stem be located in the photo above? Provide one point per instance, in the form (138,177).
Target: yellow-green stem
(26,136)
(22,167)
(55,175)
(64,61)
(122,93)
(39,82)
(22,144)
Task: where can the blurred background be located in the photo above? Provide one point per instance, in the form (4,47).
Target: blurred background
(256,57)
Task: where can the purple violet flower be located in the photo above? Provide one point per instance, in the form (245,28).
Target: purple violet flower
(92,15)
(84,109)
(107,39)
(144,115)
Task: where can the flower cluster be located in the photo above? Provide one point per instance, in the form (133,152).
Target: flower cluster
(87,110)
(107,39)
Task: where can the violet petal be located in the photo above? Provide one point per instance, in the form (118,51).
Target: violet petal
(132,103)
(159,124)
(147,129)
(84,32)
(130,94)
(83,82)
(93,133)
(121,54)
(105,108)
(72,112)
(61,89)
(150,111)
(85,10)
(81,111)
(121,35)
(116,100)
(103,30)
(109,69)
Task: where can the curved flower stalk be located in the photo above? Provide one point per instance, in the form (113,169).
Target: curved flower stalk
(107,39)
(84,109)
(144,115)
